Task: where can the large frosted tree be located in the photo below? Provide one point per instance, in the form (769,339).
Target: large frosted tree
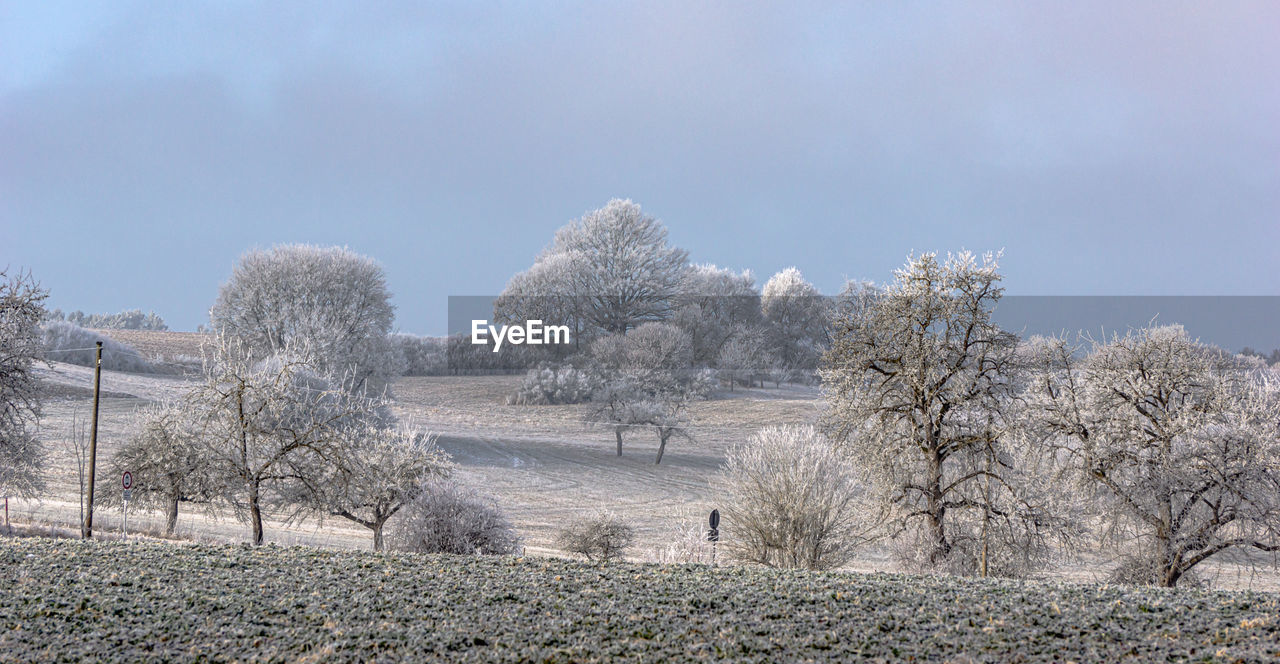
(920,381)
(267,424)
(1175,441)
(329,299)
(371,473)
(615,266)
(21,453)
(795,320)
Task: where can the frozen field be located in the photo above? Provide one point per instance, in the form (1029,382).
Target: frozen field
(540,463)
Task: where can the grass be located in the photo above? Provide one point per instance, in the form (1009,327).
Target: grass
(65,600)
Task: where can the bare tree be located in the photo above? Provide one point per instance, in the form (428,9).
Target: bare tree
(611,406)
(792,500)
(331,299)
(919,383)
(668,414)
(166,460)
(376,471)
(1177,440)
(268,422)
(22,455)
(78,444)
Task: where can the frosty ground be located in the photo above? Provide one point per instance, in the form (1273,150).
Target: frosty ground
(69,600)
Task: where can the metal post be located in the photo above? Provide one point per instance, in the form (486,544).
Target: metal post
(124,527)
(87,530)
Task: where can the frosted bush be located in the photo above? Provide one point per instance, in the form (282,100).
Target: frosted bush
(792,500)
(602,537)
(549,384)
(450,518)
(684,542)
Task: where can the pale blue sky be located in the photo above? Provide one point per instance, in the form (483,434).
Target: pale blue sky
(144,146)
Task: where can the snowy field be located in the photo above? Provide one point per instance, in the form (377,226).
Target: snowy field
(543,466)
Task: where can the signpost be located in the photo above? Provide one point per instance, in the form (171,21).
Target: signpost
(126,481)
(713,534)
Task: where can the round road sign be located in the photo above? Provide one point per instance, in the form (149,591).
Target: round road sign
(126,480)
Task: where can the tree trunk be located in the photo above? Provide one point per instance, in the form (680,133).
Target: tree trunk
(377,535)
(171,517)
(937,512)
(662,445)
(255,516)
(617,433)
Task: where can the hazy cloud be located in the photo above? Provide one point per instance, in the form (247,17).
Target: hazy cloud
(1108,150)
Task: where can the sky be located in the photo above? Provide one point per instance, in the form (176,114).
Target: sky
(1107,148)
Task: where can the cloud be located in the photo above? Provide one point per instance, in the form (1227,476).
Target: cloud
(1109,150)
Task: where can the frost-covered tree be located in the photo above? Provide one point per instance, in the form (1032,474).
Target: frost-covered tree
(331,299)
(612,269)
(22,455)
(1178,441)
(373,472)
(647,380)
(712,305)
(746,357)
(613,407)
(796,319)
(166,460)
(547,291)
(919,384)
(792,500)
(266,423)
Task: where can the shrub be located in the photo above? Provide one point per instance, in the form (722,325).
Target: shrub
(602,537)
(549,384)
(792,500)
(449,518)
(70,343)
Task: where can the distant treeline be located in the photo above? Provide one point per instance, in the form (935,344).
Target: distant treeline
(133,319)
(1272,358)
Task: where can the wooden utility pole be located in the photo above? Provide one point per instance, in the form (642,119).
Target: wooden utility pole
(86,530)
